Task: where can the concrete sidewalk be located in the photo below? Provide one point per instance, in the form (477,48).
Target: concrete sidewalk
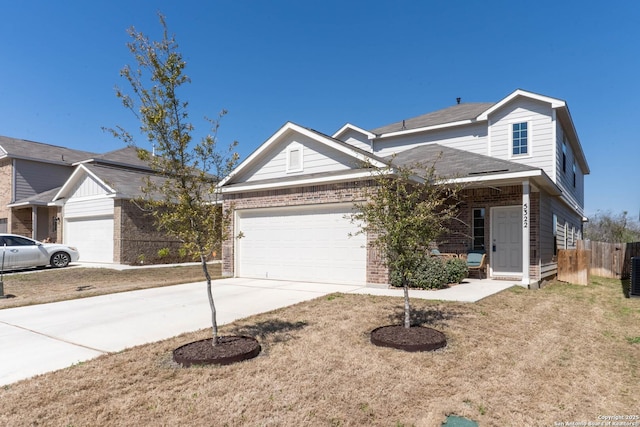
(46,337)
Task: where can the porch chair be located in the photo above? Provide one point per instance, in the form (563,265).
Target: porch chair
(476,262)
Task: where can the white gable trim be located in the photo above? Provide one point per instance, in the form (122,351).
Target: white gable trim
(555,103)
(309,134)
(348,127)
(80,172)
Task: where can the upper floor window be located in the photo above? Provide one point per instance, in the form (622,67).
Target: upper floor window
(520,139)
(294,158)
(574,174)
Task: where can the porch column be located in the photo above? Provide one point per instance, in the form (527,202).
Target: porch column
(526,235)
(34,222)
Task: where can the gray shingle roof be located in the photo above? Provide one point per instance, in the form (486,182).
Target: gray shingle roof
(451,162)
(21,148)
(456,113)
(123,156)
(127,183)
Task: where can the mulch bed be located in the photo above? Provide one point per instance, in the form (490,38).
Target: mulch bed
(230,349)
(416,338)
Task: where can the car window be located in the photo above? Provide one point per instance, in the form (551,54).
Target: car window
(17,241)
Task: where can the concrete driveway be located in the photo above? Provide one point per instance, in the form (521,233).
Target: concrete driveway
(47,337)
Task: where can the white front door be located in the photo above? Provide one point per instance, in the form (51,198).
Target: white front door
(506,241)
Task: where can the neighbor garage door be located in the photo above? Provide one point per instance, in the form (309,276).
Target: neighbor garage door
(93,236)
(303,244)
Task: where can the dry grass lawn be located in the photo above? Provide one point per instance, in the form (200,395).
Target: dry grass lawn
(50,285)
(520,358)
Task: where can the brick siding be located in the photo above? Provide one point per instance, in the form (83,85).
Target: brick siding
(457,241)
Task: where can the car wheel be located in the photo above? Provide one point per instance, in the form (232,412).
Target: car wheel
(60,259)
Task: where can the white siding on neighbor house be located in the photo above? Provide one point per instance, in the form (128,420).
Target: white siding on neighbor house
(87,187)
(317,158)
(471,138)
(91,207)
(541,130)
(357,139)
(35,177)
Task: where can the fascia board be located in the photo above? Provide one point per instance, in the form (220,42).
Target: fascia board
(555,103)
(297,183)
(538,175)
(349,126)
(425,129)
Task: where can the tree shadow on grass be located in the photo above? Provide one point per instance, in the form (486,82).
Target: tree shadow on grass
(274,330)
(425,317)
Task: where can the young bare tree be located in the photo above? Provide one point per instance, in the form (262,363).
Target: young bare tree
(182,198)
(612,228)
(405,208)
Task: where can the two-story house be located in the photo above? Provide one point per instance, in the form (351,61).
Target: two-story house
(520,161)
(79,198)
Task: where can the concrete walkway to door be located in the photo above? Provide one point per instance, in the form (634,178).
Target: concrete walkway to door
(42,338)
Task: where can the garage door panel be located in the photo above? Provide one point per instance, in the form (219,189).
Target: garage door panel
(93,236)
(307,244)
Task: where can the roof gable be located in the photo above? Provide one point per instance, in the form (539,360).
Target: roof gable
(321,153)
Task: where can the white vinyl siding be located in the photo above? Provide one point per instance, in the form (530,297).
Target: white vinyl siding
(539,119)
(98,206)
(471,138)
(357,139)
(317,158)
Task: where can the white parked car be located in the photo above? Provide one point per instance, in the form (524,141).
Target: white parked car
(22,252)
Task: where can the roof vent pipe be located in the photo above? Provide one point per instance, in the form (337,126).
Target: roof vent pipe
(458,99)
(403,126)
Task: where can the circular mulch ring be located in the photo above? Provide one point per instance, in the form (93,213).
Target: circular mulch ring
(230,349)
(415,338)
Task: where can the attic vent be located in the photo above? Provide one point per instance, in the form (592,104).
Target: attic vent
(635,277)
(294,158)
(488,172)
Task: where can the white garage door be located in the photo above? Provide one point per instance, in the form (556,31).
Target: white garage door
(92,236)
(303,244)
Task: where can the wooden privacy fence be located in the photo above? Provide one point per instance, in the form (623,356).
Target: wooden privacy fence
(573,266)
(612,260)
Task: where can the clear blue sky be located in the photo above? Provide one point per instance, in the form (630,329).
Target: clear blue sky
(324,63)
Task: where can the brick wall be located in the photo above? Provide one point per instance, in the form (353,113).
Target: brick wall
(316,194)
(457,241)
(460,238)
(6,178)
(136,238)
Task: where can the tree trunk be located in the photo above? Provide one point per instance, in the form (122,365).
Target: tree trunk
(214,322)
(407,307)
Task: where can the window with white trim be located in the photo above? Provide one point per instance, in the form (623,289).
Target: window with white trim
(574,174)
(520,138)
(478,229)
(294,158)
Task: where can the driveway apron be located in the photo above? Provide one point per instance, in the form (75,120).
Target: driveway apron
(42,338)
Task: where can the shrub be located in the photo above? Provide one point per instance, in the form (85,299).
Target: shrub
(456,269)
(429,273)
(163,253)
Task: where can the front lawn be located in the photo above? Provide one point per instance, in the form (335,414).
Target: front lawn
(519,358)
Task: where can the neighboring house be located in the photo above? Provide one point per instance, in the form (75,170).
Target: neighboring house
(79,198)
(520,160)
